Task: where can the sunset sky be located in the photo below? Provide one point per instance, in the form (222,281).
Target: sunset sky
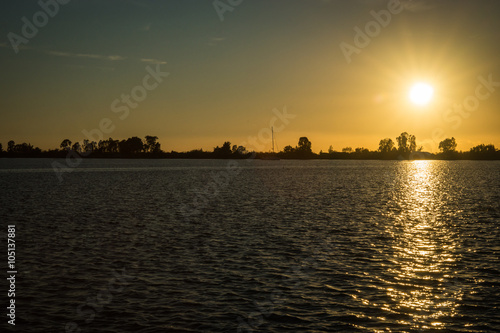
(227,76)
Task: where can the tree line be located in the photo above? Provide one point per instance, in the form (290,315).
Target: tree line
(404,147)
(104,148)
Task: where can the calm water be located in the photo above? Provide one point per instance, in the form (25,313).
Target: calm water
(263,246)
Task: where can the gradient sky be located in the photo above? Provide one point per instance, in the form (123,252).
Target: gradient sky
(226,77)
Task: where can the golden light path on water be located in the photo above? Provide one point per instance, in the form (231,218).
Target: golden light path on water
(424,249)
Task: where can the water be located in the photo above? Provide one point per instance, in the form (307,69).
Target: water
(263,246)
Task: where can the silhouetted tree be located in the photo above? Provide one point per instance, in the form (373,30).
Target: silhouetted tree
(226,147)
(484,152)
(224,151)
(76,147)
(66,144)
(10,146)
(483,149)
(102,146)
(301,151)
(132,145)
(288,149)
(362,150)
(151,145)
(406,143)
(330,149)
(386,145)
(413,143)
(347,150)
(86,147)
(110,145)
(89,146)
(448,145)
(1,148)
(240,150)
(23,148)
(304,145)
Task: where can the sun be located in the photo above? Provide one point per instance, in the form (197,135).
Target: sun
(421,93)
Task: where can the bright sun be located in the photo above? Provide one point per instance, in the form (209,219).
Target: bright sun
(421,93)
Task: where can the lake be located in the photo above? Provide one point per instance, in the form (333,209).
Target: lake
(254,246)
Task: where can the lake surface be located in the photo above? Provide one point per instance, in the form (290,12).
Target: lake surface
(254,246)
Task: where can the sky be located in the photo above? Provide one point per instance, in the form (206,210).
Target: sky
(339,70)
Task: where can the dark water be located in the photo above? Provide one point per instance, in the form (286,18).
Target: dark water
(263,246)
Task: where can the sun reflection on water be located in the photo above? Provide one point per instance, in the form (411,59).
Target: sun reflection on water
(423,250)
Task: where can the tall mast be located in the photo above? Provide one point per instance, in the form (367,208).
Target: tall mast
(272,137)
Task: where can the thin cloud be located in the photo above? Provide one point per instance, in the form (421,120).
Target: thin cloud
(86,55)
(153,61)
(216,40)
(59,54)
(92,56)
(115,57)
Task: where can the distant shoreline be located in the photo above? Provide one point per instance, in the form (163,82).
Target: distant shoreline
(150,148)
(373,156)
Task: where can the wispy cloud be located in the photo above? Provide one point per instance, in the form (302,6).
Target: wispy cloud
(153,61)
(103,57)
(90,55)
(216,40)
(115,57)
(59,54)
(86,55)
